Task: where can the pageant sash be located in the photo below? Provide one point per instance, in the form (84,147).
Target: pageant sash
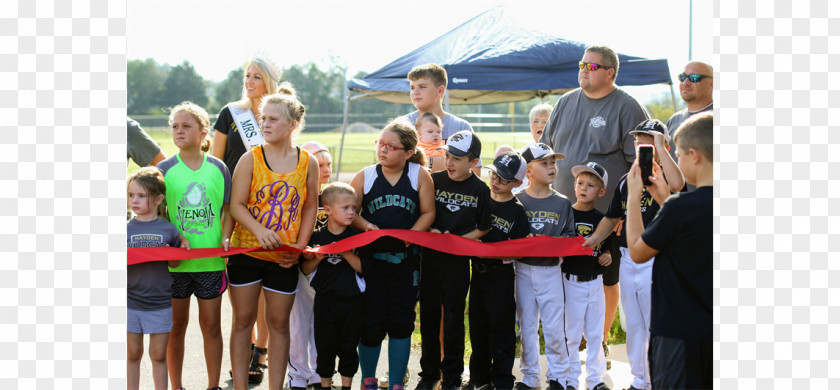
(542,246)
(249,130)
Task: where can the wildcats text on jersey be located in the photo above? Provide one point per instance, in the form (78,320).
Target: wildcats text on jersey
(501,224)
(452,198)
(391,200)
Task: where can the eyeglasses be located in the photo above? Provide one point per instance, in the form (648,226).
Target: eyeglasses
(494,176)
(591,66)
(694,77)
(388,147)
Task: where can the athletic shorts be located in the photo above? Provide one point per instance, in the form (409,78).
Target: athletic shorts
(244,270)
(611,273)
(205,285)
(150,322)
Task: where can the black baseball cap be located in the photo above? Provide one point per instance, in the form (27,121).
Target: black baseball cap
(649,125)
(463,143)
(509,166)
(539,151)
(593,168)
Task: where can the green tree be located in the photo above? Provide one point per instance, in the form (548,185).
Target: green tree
(661,107)
(145,82)
(184,83)
(230,89)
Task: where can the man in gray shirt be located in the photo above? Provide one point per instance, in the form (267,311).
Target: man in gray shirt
(696,94)
(593,123)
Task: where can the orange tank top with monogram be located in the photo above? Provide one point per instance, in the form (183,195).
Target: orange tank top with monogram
(275,201)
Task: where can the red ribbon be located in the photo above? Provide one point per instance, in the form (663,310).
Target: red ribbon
(532,247)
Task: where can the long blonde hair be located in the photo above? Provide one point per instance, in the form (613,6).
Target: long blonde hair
(271,77)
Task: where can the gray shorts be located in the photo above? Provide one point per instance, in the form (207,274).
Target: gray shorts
(150,322)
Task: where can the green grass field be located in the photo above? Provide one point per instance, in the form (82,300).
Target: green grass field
(358,147)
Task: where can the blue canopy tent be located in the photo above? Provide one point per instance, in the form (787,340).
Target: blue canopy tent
(489,59)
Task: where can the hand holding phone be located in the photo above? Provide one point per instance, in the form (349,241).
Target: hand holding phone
(645,156)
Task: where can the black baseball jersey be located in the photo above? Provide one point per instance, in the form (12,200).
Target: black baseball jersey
(391,207)
(508,221)
(618,208)
(334,275)
(682,293)
(585,223)
(460,206)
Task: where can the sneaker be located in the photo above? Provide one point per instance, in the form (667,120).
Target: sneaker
(383,381)
(522,386)
(426,384)
(607,354)
(632,388)
(570,387)
(554,385)
(473,386)
(370,384)
(601,386)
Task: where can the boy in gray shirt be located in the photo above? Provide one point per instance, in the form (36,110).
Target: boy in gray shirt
(537,278)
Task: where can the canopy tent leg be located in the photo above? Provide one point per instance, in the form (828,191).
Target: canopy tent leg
(673,98)
(343,132)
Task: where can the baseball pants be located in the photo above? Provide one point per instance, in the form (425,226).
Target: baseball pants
(634,281)
(585,315)
(303,357)
(446,280)
(539,296)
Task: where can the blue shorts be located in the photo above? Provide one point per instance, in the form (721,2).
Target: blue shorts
(150,322)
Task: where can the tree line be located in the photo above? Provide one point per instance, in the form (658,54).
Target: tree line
(153,87)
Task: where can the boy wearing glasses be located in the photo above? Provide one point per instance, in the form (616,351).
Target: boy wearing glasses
(461,207)
(492,306)
(583,282)
(539,296)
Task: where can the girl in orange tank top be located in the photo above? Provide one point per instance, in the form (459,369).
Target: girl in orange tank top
(274,200)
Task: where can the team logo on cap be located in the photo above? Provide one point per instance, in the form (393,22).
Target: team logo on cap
(649,125)
(453,208)
(456,137)
(505,160)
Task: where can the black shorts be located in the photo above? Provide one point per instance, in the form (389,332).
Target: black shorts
(611,273)
(205,285)
(244,270)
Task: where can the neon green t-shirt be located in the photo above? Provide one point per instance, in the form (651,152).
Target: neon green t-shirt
(194,201)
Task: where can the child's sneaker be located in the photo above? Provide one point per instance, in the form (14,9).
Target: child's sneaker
(370,384)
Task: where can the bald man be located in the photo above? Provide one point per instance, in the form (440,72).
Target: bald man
(697,95)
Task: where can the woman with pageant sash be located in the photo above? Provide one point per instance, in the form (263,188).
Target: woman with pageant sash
(237,130)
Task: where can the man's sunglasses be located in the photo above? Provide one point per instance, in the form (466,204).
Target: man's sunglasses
(694,77)
(591,66)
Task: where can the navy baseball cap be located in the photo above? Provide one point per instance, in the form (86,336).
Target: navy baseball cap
(463,143)
(539,151)
(649,125)
(593,168)
(509,166)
